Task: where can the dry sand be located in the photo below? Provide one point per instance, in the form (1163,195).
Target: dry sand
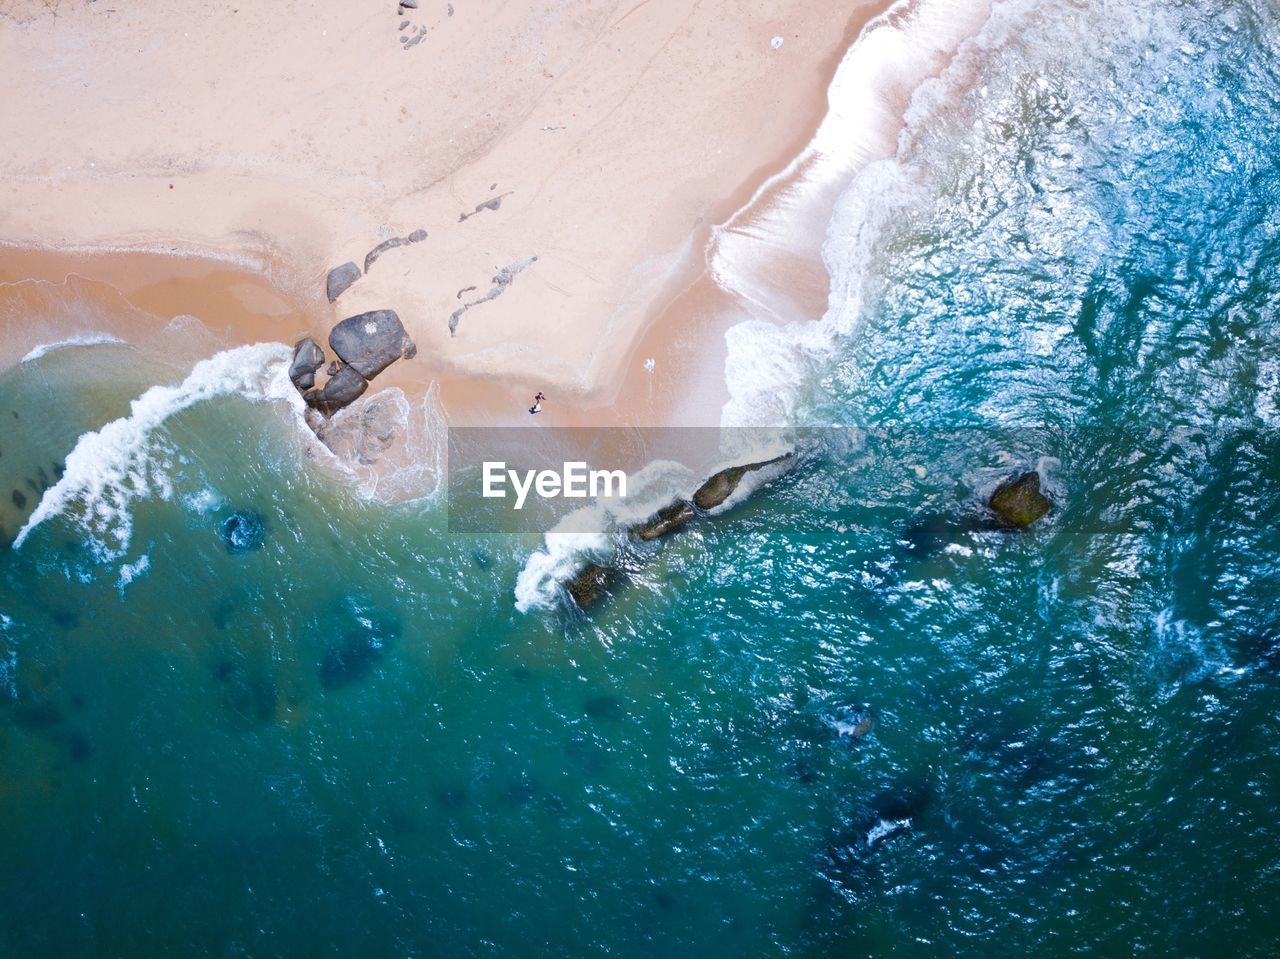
(287,138)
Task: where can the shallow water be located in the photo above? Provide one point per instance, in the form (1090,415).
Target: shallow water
(349,741)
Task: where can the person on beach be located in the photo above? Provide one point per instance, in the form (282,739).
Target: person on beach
(537,402)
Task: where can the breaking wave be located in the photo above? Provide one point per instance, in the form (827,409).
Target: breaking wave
(88,339)
(127,459)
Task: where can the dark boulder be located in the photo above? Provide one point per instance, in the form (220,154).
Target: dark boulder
(720,487)
(669,519)
(1018,502)
(242,532)
(340,280)
(588,587)
(342,389)
(307,358)
(370,342)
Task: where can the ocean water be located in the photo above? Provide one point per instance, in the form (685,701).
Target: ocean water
(355,738)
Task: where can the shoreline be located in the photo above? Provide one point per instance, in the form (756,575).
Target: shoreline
(246,294)
(620,219)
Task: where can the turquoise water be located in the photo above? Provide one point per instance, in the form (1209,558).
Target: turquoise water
(349,741)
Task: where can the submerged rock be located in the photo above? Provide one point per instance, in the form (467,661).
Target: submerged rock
(37,715)
(370,342)
(853,723)
(587,588)
(243,531)
(1018,503)
(369,635)
(363,435)
(342,389)
(668,520)
(340,280)
(932,534)
(721,485)
(79,747)
(307,358)
(604,707)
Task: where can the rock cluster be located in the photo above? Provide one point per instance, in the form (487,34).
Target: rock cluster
(365,344)
(592,583)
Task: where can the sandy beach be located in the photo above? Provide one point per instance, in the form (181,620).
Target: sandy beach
(220,163)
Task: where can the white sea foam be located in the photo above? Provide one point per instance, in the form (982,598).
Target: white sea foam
(85,339)
(129,572)
(592,532)
(8,660)
(885,828)
(770,354)
(588,533)
(204,502)
(110,469)
(392,450)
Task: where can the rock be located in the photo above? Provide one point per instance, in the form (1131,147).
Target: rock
(342,389)
(604,707)
(350,662)
(587,588)
(403,24)
(370,342)
(340,280)
(242,532)
(79,746)
(720,487)
(669,519)
(929,536)
(1018,503)
(37,715)
(408,4)
(363,435)
(362,648)
(417,236)
(19,499)
(307,358)
(853,723)
(501,282)
(333,368)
